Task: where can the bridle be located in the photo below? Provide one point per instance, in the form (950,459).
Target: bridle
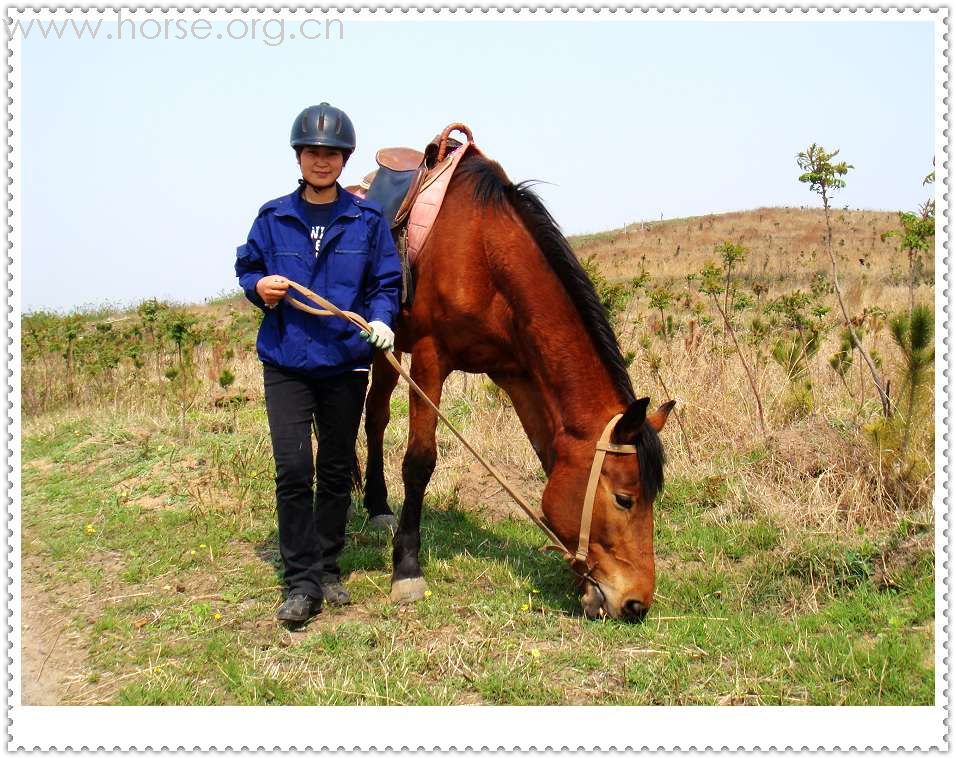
(578,560)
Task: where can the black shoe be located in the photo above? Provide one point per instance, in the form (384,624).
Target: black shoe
(298,607)
(335,594)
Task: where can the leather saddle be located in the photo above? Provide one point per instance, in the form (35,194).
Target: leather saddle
(410,185)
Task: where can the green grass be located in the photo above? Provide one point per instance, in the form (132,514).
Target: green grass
(176,598)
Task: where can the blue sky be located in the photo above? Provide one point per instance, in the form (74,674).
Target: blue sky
(144,162)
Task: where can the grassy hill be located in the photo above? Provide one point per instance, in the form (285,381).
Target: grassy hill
(793,568)
(785,244)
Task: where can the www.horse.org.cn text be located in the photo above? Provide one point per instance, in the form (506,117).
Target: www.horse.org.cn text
(269,31)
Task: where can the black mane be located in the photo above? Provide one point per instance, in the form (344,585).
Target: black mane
(650,460)
(492,187)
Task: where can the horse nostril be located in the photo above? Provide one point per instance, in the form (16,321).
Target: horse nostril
(634,610)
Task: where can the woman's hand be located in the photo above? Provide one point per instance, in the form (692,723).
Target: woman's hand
(272,289)
(381,336)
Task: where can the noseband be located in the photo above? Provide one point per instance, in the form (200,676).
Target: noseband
(579,559)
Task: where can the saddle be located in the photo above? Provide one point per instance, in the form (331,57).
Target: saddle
(410,186)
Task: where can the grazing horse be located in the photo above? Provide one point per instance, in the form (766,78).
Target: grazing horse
(499,291)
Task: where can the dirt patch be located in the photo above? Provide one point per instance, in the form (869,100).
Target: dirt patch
(151,502)
(813,448)
(41,465)
(479,492)
(891,565)
(53,654)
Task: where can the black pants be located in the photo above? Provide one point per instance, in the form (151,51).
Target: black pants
(312,523)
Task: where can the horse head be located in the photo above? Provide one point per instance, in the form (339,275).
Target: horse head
(617,572)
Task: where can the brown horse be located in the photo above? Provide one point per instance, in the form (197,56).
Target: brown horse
(499,291)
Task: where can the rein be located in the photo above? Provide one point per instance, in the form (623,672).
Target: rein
(603,447)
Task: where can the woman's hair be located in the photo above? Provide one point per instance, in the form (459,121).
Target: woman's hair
(299,148)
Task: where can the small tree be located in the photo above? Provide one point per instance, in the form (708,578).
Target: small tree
(913,335)
(824,178)
(614,296)
(72,328)
(661,298)
(730,254)
(792,353)
(842,360)
(803,328)
(180,328)
(151,312)
(711,283)
(916,233)
(226,378)
(906,464)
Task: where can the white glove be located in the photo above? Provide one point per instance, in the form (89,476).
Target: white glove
(381,336)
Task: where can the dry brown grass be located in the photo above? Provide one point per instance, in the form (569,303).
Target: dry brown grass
(815,471)
(765,556)
(786,245)
(819,471)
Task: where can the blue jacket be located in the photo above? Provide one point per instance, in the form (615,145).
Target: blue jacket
(357,268)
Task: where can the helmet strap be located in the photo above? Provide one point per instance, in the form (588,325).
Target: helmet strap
(315,189)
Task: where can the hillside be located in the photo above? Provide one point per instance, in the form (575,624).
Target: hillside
(782,241)
(785,244)
(793,567)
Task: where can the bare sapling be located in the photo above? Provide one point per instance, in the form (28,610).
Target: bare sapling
(180,328)
(824,178)
(654,364)
(917,232)
(712,283)
(842,360)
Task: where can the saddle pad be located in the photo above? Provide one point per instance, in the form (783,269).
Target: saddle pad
(388,189)
(427,205)
(399,159)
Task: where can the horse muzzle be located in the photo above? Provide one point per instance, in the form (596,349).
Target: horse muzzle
(594,601)
(597,605)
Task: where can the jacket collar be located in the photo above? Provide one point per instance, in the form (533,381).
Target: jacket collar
(293,205)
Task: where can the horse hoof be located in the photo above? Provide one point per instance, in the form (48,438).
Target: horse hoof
(384,522)
(408,591)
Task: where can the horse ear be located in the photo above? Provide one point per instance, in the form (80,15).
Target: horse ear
(657,419)
(628,426)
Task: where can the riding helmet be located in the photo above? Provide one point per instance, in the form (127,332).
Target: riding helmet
(323,124)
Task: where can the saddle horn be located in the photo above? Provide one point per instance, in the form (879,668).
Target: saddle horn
(443,138)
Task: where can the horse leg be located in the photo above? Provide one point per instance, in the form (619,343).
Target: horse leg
(377,415)
(429,374)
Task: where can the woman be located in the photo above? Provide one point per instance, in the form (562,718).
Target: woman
(316,368)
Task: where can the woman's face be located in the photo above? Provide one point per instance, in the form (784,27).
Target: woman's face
(321,166)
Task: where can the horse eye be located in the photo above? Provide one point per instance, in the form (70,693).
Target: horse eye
(624,501)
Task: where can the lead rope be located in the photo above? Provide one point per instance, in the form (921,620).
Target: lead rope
(330,309)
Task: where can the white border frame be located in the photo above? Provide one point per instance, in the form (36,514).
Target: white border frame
(475,728)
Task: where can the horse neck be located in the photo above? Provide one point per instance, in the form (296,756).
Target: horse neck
(573,391)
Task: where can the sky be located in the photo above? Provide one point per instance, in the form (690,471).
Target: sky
(144,161)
